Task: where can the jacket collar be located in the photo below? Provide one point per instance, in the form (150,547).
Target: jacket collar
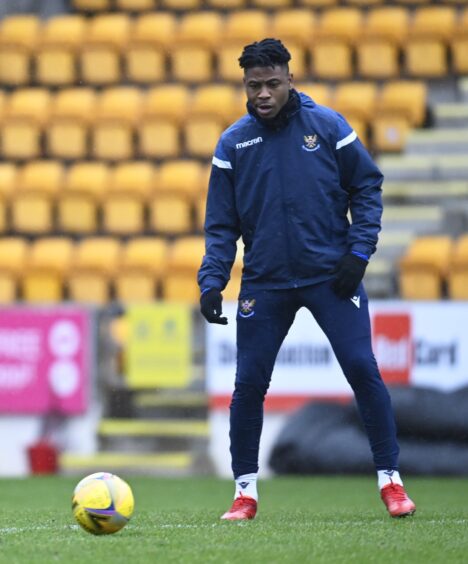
(292,106)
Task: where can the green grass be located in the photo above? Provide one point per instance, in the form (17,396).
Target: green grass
(316,519)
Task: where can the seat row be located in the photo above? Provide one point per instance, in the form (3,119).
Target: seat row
(98,270)
(90,197)
(205,46)
(435,266)
(169,121)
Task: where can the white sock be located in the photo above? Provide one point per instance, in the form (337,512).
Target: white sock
(246,485)
(386,477)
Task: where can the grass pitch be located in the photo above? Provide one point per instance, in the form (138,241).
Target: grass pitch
(300,520)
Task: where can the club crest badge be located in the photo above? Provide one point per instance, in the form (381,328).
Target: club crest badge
(311,143)
(246,308)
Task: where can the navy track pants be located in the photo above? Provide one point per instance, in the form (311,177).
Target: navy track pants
(261,330)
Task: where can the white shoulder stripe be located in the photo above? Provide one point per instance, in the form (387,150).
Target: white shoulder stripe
(347,140)
(221,164)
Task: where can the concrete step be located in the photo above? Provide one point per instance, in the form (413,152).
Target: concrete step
(463,88)
(418,218)
(451,115)
(183,428)
(425,192)
(438,141)
(424,167)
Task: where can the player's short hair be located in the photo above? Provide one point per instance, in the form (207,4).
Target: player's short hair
(265,53)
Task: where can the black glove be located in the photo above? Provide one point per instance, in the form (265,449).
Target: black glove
(349,272)
(211,308)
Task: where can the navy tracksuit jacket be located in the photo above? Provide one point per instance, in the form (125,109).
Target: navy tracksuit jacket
(287,192)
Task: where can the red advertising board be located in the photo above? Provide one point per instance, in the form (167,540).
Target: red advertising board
(44,360)
(392,344)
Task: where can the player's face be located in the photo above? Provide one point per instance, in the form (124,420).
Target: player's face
(267,89)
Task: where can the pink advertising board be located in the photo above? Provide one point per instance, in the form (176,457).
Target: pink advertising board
(44,360)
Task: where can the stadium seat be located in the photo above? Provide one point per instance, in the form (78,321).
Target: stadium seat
(96,260)
(425,58)
(90,177)
(356,98)
(154,29)
(203,28)
(135,5)
(180,282)
(296,24)
(45,176)
(180,176)
(272,4)
(191,63)
(77,213)
(215,100)
(4,221)
(118,111)
(246,26)
(48,262)
(433,22)
(424,267)
(364,3)
(167,100)
(21,130)
(123,213)
(340,24)
(55,60)
(13,253)
(169,214)
(8,179)
(143,262)
(100,57)
(159,138)
(320,93)
(226,4)
(317,4)
(457,279)
(92,5)
(459,54)
(32,213)
(132,176)
(227,64)
(67,133)
(201,134)
(389,132)
(18,38)
(387,23)
(405,98)
(377,59)
(331,60)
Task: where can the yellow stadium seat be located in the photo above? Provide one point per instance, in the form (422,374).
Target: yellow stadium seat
(201,28)
(135,286)
(340,24)
(100,57)
(181,287)
(200,212)
(404,97)
(55,60)
(167,100)
(48,262)
(191,62)
(272,4)
(21,130)
(424,267)
(425,58)
(67,133)
(117,113)
(295,24)
(133,176)
(170,214)
(297,65)
(201,134)
(215,100)
(364,3)
(181,176)
(388,23)
(90,177)
(459,54)
(8,179)
(356,98)
(457,279)
(332,60)
(123,213)
(227,64)
(18,38)
(92,5)
(377,59)
(318,3)
(433,22)
(319,92)
(144,63)
(96,260)
(3,215)
(246,26)
(13,255)
(159,138)
(389,132)
(155,29)
(32,212)
(45,176)
(181,4)
(136,5)
(226,4)
(76,213)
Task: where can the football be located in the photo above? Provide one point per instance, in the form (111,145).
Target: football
(102,503)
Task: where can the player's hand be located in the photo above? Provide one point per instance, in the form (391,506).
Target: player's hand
(211,308)
(348,272)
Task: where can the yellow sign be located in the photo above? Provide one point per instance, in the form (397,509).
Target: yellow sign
(159,352)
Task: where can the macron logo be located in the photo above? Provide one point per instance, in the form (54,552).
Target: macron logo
(356,301)
(249,143)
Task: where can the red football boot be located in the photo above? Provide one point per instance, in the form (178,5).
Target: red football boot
(244,507)
(396,501)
